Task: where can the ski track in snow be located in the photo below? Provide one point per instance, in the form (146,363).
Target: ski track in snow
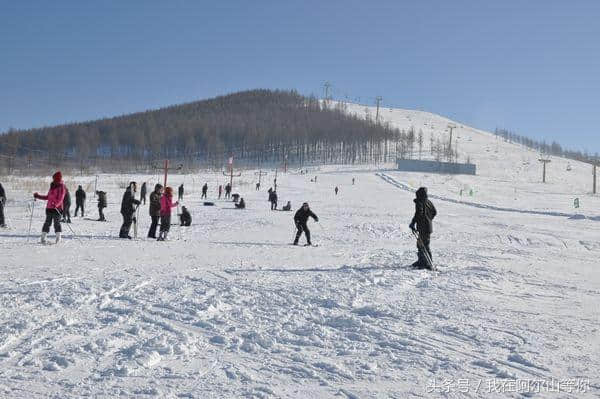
(232,310)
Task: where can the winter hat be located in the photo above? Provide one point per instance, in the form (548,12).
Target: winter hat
(422,193)
(57,177)
(305,204)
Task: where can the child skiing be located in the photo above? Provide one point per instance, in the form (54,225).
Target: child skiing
(300,219)
(166,203)
(54,206)
(423,219)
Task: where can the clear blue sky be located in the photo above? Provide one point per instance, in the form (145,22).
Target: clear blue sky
(530,66)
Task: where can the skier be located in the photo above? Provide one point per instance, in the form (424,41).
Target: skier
(79,201)
(204,190)
(143,191)
(66,214)
(273,199)
(241,204)
(185,218)
(353,181)
(166,203)
(336,190)
(257,186)
(228,190)
(54,206)
(128,207)
(154,209)
(423,219)
(220,190)
(2,202)
(101,205)
(287,207)
(300,219)
(180,193)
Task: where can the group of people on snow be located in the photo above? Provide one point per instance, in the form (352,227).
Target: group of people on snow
(161,202)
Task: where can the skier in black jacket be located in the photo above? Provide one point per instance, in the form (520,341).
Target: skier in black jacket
(2,202)
(101,205)
(273,200)
(185,218)
(154,209)
(79,201)
(204,190)
(423,219)
(66,215)
(143,193)
(300,219)
(128,207)
(180,193)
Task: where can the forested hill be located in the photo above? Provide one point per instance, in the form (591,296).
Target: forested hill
(253,126)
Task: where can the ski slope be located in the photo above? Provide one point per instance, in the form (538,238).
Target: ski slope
(229,309)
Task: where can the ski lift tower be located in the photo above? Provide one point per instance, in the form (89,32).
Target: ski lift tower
(544,161)
(451,126)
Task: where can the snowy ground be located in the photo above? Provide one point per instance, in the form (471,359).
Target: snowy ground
(229,309)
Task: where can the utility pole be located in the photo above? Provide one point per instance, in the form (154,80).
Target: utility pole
(451,127)
(260,174)
(377,100)
(327,86)
(595,166)
(544,161)
(166,170)
(231,172)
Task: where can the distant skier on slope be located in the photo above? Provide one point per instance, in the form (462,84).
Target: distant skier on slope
(101,205)
(220,190)
(425,212)
(80,201)
(180,193)
(54,206)
(273,200)
(300,219)
(143,191)
(66,214)
(336,189)
(128,207)
(204,190)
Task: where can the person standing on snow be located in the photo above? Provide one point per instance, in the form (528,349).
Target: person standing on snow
(228,190)
(166,203)
(220,190)
(2,202)
(204,190)
(300,219)
(180,193)
(79,201)
(143,191)
(128,206)
(336,190)
(154,209)
(66,215)
(101,205)
(54,206)
(273,200)
(185,218)
(423,219)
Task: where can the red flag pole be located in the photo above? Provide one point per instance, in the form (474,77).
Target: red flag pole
(166,169)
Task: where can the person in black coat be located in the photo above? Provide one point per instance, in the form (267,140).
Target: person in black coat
(2,202)
(66,215)
(185,218)
(241,204)
(300,219)
(422,222)
(228,190)
(154,209)
(143,191)
(101,205)
(180,193)
(204,190)
(79,201)
(273,199)
(128,206)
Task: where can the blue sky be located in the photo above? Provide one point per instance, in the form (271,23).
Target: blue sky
(529,66)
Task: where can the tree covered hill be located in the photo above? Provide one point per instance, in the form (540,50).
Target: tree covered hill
(256,126)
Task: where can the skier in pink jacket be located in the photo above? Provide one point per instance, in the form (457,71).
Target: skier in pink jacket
(166,203)
(54,206)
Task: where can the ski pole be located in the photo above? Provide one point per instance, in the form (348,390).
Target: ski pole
(69,226)
(423,249)
(30,220)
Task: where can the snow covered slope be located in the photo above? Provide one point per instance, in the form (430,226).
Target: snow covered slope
(229,309)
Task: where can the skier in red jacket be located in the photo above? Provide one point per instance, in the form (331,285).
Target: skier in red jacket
(54,206)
